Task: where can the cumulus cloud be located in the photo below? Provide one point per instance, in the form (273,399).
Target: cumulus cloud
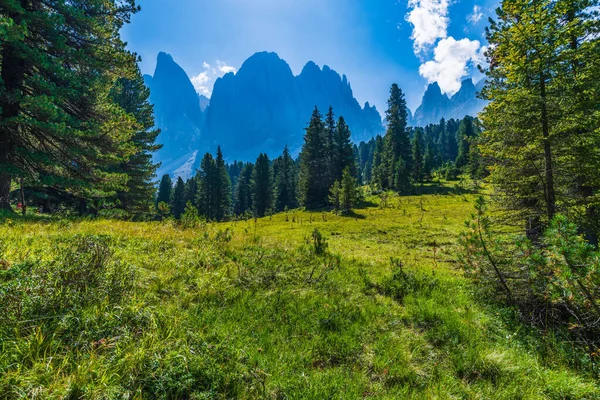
(429,19)
(450,61)
(476,15)
(204,81)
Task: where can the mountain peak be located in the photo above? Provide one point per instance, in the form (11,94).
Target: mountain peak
(310,67)
(264,62)
(164,57)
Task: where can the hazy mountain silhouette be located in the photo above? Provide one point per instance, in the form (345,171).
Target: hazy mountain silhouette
(436,105)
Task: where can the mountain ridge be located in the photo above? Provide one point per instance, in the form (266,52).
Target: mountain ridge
(263,107)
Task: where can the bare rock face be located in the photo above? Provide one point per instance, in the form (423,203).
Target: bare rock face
(177,113)
(264,106)
(261,108)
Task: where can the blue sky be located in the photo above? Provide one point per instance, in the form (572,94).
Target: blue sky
(374,42)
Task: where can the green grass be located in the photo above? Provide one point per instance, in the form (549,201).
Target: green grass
(107,309)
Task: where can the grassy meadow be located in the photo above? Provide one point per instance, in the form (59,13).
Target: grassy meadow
(104,309)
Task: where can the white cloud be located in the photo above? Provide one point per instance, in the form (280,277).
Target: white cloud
(224,68)
(429,19)
(204,81)
(476,15)
(450,62)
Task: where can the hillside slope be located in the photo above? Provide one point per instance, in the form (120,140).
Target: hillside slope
(247,309)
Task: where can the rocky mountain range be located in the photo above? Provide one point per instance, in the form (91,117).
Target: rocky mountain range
(436,105)
(264,107)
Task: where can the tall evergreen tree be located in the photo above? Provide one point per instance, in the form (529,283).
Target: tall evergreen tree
(332,149)
(349,191)
(417,156)
(58,61)
(466,133)
(132,96)
(343,154)
(242,199)
(262,186)
(286,191)
(378,168)
(207,178)
(396,140)
(543,75)
(164,190)
(314,164)
(221,188)
(191,191)
(178,198)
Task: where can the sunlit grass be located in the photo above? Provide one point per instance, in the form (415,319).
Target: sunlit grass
(247,310)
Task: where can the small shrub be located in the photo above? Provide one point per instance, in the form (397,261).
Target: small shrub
(319,242)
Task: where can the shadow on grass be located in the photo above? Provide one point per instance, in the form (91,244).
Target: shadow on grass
(438,188)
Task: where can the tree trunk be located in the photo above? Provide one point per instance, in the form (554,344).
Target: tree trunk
(550,191)
(5,181)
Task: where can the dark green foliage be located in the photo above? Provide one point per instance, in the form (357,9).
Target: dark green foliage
(343,153)
(58,62)
(331,145)
(546,79)
(396,141)
(554,282)
(178,198)
(191,190)
(314,164)
(401,178)
(242,199)
(132,96)
(286,182)
(466,134)
(222,188)
(214,188)
(262,188)
(417,156)
(164,190)
(350,194)
(207,178)
(234,170)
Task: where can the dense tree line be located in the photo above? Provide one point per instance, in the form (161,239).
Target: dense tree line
(446,149)
(218,191)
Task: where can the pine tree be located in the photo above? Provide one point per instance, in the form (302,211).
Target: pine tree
(58,61)
(396,141)
(466,133)
(221,189)
(207,178)
(401,177)
(540,122)
(349,192)
(343,154)
(314,164)
(428,160)
(378,170)
(132,96)
(417,156)
(262,186)
(191,190)
(243,191)
(332,148)
(164,190)
(178,198)
(286,195)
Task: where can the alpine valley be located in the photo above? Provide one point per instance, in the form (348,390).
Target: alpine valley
(264,107)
